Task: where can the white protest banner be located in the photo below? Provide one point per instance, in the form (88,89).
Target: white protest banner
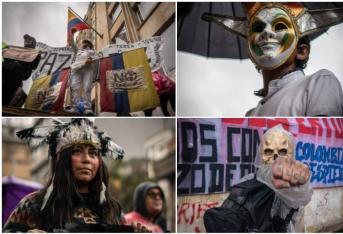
(153,50)
(52,59)
(20,53)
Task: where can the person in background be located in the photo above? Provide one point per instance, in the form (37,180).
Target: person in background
(17,66)
(148,205)
(165,88)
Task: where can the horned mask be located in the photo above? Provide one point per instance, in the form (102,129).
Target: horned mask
(273,30)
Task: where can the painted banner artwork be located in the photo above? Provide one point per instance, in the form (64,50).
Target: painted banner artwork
(132,78)
(127,100)
(52,59)
(116,96)
(57,58)
(153,48)
(213,154)
(47,93)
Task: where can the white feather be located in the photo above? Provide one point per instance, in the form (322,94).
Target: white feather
(114,150)
(60,121)
(47,195)
(102,193)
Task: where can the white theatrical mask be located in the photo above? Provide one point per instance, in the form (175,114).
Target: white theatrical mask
(272,38)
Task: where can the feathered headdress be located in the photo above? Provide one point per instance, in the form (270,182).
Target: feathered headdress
(62,135)
(307,21)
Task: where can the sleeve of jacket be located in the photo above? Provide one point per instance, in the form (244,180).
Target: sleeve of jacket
(325,97)
(24,216)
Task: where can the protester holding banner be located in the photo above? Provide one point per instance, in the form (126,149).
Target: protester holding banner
(148,206)
(76,196)
(17,66)
(81,78)
(278,38)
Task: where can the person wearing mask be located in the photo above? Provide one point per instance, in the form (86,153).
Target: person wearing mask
(17,66)
(278,41)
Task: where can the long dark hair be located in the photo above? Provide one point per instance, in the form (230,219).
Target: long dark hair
(65,196)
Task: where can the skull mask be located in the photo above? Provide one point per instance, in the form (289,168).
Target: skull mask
(276,144)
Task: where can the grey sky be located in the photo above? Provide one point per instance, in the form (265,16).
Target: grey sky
(46,21)
(224,87)
(131,133)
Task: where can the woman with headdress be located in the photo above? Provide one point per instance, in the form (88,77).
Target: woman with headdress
(76,194)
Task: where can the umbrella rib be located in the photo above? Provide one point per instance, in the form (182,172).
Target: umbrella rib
(237,38)
(209,34)
(180,26)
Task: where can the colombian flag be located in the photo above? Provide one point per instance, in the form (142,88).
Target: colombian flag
(47,93)
(131,100)
(74,22)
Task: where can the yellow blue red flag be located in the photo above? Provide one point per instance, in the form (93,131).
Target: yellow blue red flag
(130,67)
(48,93)
(75,23)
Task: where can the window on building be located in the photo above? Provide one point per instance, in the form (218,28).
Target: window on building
(120,37)
(115,12)
(144,9)
(168,50)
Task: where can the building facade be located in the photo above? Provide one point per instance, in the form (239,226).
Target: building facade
(18,158)
(129,22)
(160,151)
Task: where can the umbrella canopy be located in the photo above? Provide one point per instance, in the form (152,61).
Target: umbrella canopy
(197,36)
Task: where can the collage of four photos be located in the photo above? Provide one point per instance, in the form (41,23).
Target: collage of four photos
(181,117)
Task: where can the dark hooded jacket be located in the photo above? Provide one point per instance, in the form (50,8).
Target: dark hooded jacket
(139,202)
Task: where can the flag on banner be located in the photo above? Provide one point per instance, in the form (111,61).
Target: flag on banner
(47,93)
(153,49)
(127,98)
(74,22)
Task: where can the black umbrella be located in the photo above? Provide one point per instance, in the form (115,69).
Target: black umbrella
(197,36)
